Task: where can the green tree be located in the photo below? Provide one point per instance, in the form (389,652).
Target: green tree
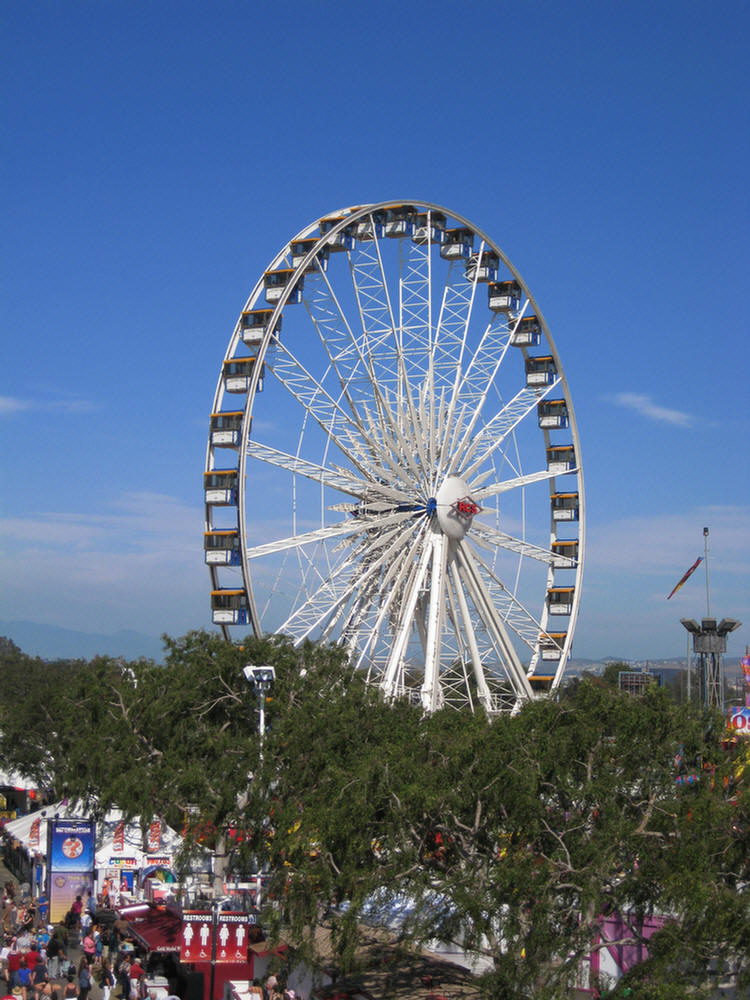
(515,838)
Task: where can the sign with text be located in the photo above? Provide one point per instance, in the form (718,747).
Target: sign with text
(223,939)
(196,937)
(232,937)
(70,863)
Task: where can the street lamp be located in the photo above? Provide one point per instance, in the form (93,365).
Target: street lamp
(261,678)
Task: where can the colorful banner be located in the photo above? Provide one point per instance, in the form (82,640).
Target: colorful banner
(34,832)
(118,838)
(689,573)
(154,836)
(739,720)
(71,847)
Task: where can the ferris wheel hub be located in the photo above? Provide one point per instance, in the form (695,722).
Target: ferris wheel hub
(455,507)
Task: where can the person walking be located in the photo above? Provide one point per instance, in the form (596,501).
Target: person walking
(106,979)
(84,978)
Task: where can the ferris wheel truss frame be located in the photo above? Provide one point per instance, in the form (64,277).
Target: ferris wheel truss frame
(375,423)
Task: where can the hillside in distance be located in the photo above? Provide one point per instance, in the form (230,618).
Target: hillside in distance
(51,642)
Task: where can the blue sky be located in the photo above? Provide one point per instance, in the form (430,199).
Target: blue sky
(158,155)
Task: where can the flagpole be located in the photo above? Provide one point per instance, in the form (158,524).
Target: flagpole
(708,592)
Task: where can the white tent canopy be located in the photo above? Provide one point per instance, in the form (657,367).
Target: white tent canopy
(132,837)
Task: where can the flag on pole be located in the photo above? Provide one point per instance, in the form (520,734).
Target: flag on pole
(689,573)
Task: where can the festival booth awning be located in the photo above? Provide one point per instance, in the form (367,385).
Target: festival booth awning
(31,830)
(121,843)
(156,927)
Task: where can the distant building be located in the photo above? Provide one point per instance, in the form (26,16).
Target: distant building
(636,681)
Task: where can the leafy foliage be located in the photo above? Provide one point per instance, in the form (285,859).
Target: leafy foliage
(515,838)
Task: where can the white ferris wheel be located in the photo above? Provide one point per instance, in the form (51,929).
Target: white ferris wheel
(393,461)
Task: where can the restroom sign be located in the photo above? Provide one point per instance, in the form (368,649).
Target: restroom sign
(231,937)
(196,939)
(220,939)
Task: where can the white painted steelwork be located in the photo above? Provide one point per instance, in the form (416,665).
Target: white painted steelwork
(397,493)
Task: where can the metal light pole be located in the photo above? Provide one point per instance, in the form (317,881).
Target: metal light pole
(261,678)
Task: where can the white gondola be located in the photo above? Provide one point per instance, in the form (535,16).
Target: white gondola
(341,241)
(527,332)
(399,221)
(238,373)
(564,506)
(254,325)
(560,600)
(540,371)
(504,296)
(226,429)
(220,487)
(370,228)
(482,267)
(551,644)
(222,548)
(561,459)
(230,607)
(565,554)
(275,283)
(429,227)
(457,243)
(552,413)
(299,249)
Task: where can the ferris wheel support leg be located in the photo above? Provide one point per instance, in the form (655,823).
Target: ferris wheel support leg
(487,611)
(395,658)
(483,692)
(431,693)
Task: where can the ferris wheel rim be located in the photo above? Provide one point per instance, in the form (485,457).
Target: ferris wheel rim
(349,216)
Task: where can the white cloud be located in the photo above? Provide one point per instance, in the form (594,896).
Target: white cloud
(661,544)
(11,404)
(63,404)
(645,406)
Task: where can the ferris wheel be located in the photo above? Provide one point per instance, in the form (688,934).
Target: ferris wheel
(393,461)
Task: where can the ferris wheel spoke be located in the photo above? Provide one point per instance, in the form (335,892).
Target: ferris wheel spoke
(495,431)
(394,581)
(469,636)
(350,358)
(491,538)
(374,305)
(369,583)
(328,603)
(543,475)
(472,579)
(310,470)
(350,527)
(315,400)
(392,681)
(480,376)
(512,610)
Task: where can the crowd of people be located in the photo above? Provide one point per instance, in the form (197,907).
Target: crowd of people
(63,961)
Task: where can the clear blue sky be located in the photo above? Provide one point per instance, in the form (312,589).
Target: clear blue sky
(157,155)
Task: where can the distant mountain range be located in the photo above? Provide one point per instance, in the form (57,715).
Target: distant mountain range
(51,642)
